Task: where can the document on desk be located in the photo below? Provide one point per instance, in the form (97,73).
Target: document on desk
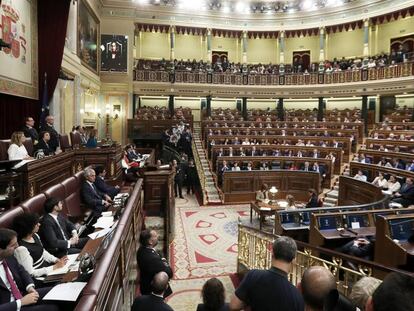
(70,265)
(99,234)
(104,222)
(65,291)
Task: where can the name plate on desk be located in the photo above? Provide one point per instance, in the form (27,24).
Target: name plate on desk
(265,209)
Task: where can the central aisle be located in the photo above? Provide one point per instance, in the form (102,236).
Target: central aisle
(205,246)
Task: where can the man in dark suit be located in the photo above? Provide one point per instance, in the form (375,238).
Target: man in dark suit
(54,135)
(43,144)
(29,130)
(154,301)
(91,196)
(101,185)
(405,196)
(150,262)
(58,234)
(17,288)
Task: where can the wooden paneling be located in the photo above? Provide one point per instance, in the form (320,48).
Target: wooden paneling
(241,186)
(142,128)
(372,170)
(356,192)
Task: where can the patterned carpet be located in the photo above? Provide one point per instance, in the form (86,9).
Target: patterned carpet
(205,243)
(187,293)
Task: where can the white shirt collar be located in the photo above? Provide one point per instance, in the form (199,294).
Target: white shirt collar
(161,296)
(55,217)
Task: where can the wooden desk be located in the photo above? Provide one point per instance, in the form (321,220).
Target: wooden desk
(335,234)
(402,251)
(372,170)
(263,210)
(324,151)
(403,145)
(241,187)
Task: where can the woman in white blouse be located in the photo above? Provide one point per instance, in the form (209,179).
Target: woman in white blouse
(17,151)
(30,254)
(393,185)
(380,181)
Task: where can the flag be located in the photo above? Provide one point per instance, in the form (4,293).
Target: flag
(45,104)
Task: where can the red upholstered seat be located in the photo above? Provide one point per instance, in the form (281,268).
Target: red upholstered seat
(4,145)
(72,196)
(6,219)
(28,144)
(75,139)
(58,191)
(35,204)
(64,142)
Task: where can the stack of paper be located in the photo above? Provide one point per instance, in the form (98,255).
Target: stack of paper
(100,233)
(70,265)
(65,291)
(104,222)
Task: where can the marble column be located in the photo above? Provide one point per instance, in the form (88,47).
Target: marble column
(282,47)
(366,38)
(209,52)
(321,44)
(244,47)
(172,42)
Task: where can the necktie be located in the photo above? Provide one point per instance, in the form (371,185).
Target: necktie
(13,287)
(61,230)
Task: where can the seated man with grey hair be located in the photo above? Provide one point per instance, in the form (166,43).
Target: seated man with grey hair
(91,196)
(268,290)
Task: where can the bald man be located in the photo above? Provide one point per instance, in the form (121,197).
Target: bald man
(316,283)
(155,301)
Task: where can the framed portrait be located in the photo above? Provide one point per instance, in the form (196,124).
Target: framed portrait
(114,53)
(88,34)
(18,48)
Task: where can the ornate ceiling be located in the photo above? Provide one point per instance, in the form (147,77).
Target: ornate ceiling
(249,15)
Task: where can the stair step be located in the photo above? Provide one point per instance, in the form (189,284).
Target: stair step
(332,194)
(336,188)
(327,204)
(331,200)
(155,223)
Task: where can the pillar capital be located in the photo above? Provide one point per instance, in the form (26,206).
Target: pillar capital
(322,30)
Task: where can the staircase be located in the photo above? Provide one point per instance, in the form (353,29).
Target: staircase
(331,197)
(157,224)
(208,184)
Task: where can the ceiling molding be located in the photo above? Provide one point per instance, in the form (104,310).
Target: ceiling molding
(357,10)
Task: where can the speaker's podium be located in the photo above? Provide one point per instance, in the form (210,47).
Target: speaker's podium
(394,241)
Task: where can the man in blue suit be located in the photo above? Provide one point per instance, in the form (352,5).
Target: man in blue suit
(91,196)
(17,288)
(102,186)
(406,194)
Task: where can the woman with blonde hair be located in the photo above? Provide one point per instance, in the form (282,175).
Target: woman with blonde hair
(290,202)
(17,151)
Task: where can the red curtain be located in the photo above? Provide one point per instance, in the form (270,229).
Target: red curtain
(52,21)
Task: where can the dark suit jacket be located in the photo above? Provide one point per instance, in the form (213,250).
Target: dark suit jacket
(22,279)
(150,303)
(30,132)
(149,264)
(54,136)
(313,202)
(103,187)
(407,192)
(93,199)
(47,150)
(51,235)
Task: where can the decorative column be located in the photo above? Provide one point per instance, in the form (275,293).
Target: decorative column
(209,53)
(364,112)
(320,108)
(171,104)
(280,110)
(282,47)
(208,98)
(244,47)
(244,107)
(321,44)
(172,42)
(366,38)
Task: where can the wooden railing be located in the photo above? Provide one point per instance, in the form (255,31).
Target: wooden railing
(348,76)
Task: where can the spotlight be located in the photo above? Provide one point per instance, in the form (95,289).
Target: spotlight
(240,7)
(307,4)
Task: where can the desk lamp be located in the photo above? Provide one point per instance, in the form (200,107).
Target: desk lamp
(273,190)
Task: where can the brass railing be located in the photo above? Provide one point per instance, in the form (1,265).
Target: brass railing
(398,71)
(200,171)
(255,252)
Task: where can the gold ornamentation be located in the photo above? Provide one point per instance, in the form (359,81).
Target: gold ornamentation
(112,168)
(31,190)
(79,167)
